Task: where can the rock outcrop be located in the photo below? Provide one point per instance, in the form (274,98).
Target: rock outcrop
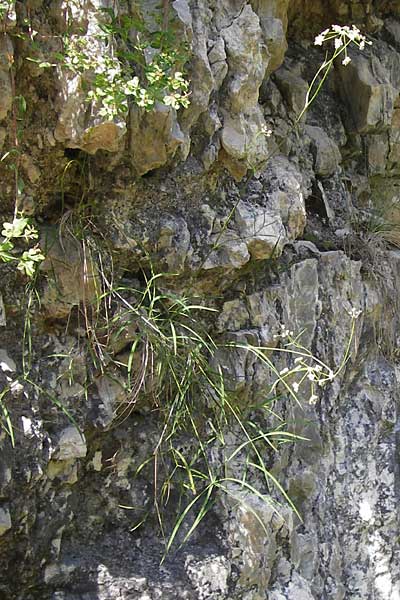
(277,225)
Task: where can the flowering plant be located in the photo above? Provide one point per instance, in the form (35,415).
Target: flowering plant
(20,228)
(343,37)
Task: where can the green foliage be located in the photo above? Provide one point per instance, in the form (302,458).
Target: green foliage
(379,225)
(5,7)
(136,66)
(173,364)
(170,360)
(5,420)
(20,228)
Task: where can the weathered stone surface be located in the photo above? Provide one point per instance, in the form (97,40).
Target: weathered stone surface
(243,141)
(81,124)
(289,247)
(72,278)
(5,520)
(7,364)
(273,20)
(71,444)
(75,130)
(368,93)
(247,59)
(326,153)
(6,60)
(253,527)
(378,150)
(209,577)
(3,319)
(292,87)
(112,395)
(154,137)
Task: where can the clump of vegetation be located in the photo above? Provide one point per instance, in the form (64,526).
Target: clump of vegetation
(20,229)
(136,65)
(379,225)
(168,355)
(5,8)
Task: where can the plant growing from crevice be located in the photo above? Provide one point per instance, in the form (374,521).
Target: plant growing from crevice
(20,229)
(6,6)
(170,359)
(136,66)
(379,225)
(173,361)
(5,418)
(154,344)
(342,38)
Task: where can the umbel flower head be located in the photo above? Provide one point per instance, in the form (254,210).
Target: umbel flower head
(342,36)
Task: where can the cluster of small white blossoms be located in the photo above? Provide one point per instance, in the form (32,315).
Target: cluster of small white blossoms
(354,313)
(285,333)
(307,366)
(318,374)
(342,36)
(266,131)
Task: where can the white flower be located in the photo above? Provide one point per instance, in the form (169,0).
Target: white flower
(346,61)
(298,359)
(296,387)
(285,332)
(354,313)
(331,375)
(285,370)
(267,132)
(319,40)
(338,43)
(313,399)
(311,375)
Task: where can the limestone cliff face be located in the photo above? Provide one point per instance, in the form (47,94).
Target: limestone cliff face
(299,227)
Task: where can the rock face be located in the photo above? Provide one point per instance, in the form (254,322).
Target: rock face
(275,225)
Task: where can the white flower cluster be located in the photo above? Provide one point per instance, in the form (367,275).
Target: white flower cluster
(285,333)
(29,259)
(266,131)
(307,368)
(354,313)
(342,37)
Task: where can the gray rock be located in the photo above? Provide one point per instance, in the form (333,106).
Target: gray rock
(154,137)
(368,94)
(261,230)
(72,276)
(326,153)
(209,577)
(6,59)
(71,444)
(247,60)
(7,364)
(5,520)
(275,39)
(292,87)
